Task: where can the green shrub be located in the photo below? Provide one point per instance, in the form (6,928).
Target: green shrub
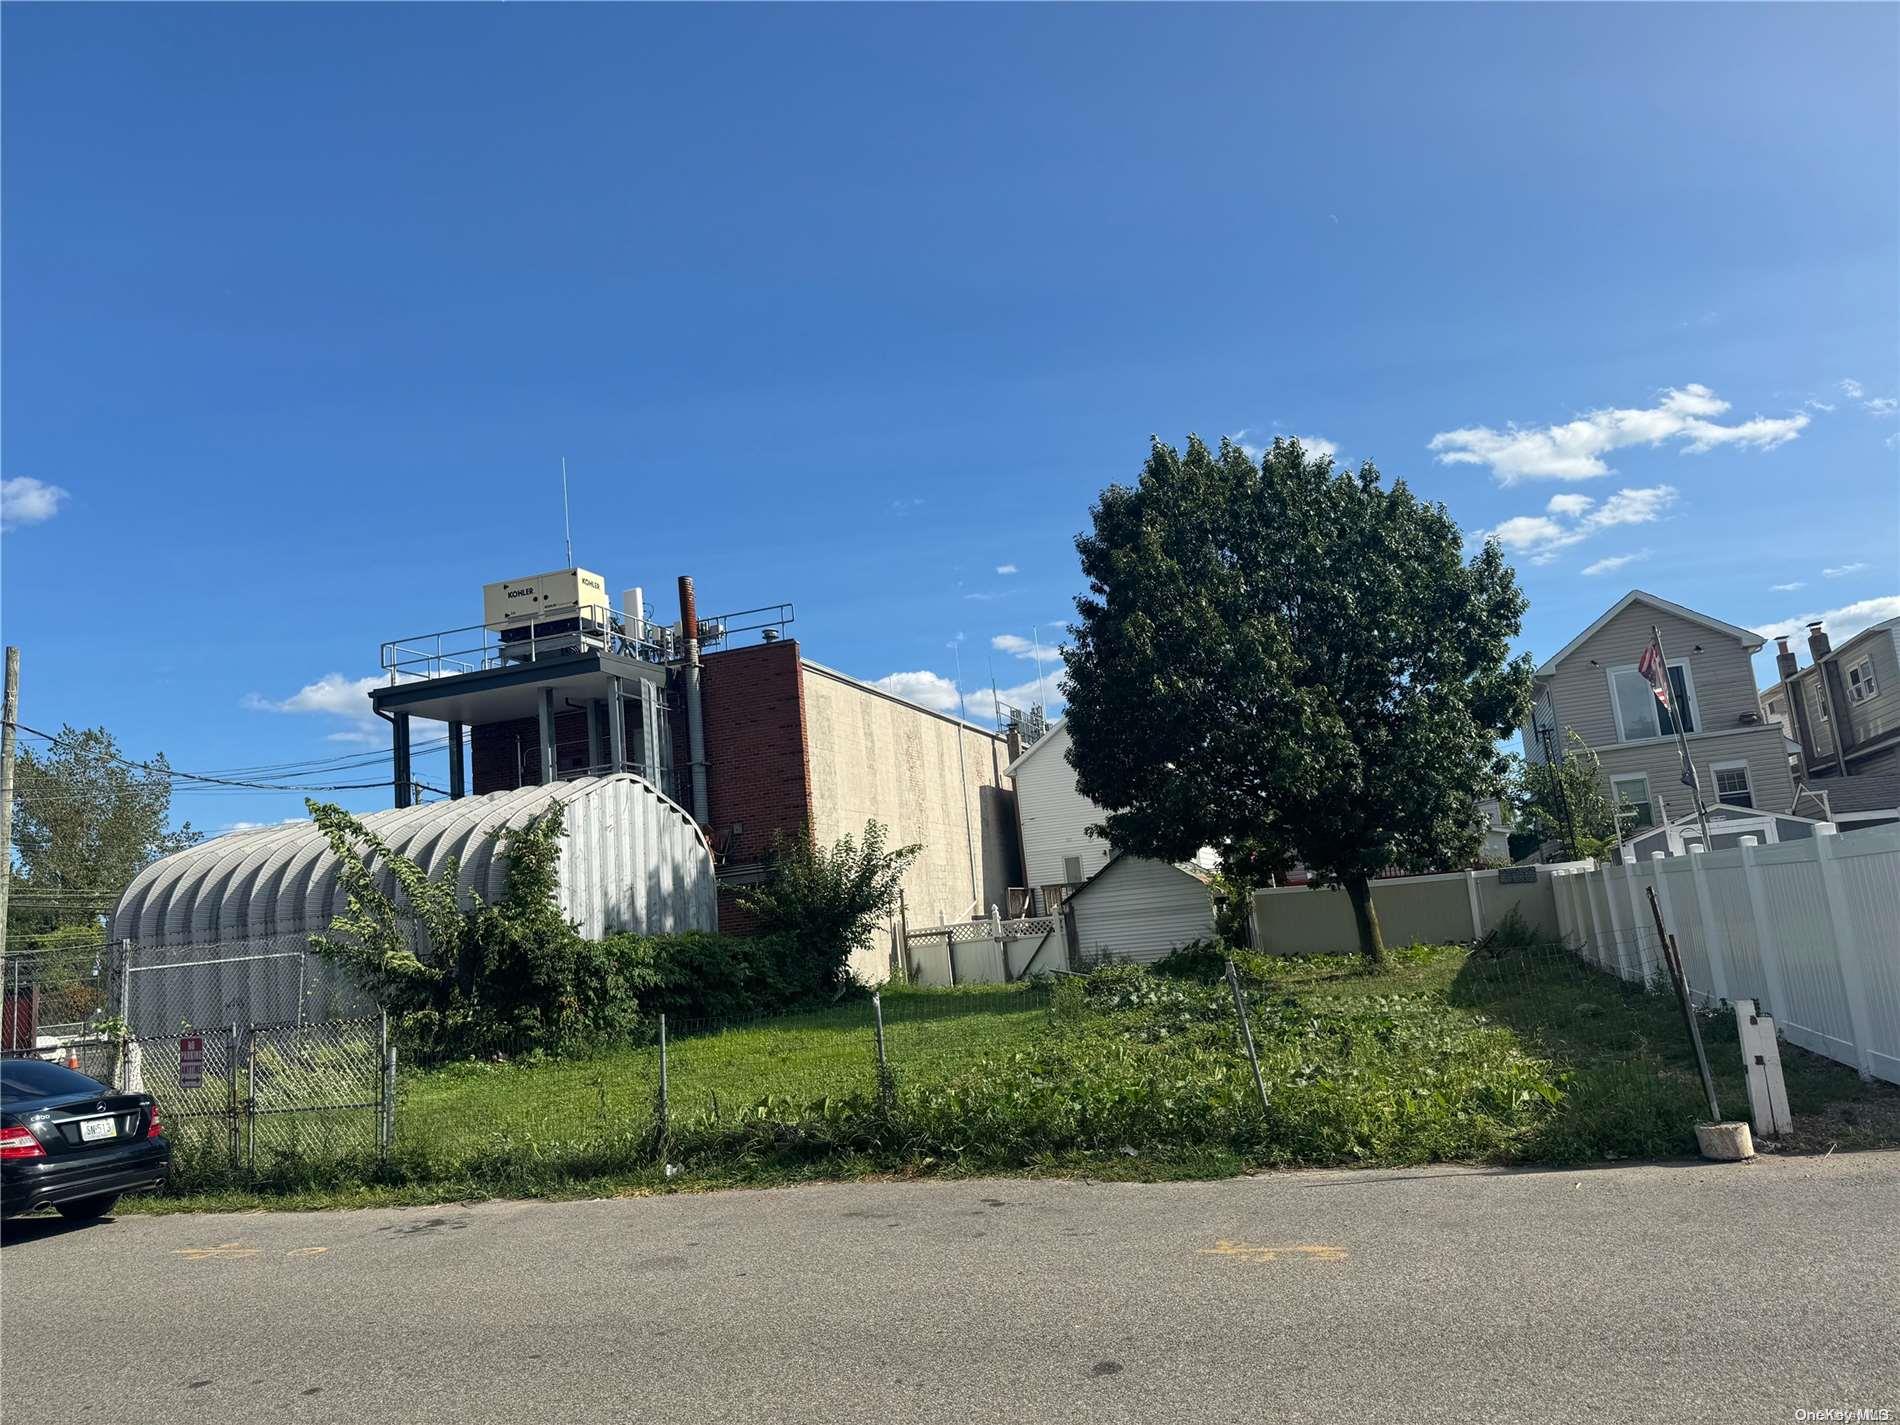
(821,903)
(698,976)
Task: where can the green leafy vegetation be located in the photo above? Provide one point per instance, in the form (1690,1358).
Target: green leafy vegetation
(1563,802)
(823,903)
(1290,663)
(1512,1052)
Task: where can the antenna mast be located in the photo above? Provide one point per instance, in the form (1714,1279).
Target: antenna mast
(567,524)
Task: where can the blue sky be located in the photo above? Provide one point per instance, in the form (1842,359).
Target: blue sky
(860,307)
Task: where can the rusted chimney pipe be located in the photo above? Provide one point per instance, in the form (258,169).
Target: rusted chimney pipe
(695,715)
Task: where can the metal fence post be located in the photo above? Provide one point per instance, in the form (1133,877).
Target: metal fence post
(1246,1034)
(231,1091)
(662,1106)
(886,1088)
(1672,960)
(250,1102)
(386,1108)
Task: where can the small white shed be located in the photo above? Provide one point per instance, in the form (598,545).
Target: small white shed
(1138,910)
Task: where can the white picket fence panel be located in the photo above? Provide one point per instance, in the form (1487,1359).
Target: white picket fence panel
(1810,929)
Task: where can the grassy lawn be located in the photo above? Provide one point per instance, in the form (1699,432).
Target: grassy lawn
(1524,1056)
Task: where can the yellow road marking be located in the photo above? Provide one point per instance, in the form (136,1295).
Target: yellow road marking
(224,1251)
(306,1251)
(1298,1251)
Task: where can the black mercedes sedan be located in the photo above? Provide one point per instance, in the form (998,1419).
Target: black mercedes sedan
(72,1142)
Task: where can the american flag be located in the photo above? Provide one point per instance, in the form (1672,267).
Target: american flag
(1650,665)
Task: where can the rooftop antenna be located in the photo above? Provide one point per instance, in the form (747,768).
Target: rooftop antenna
(1035,630)
(567,523)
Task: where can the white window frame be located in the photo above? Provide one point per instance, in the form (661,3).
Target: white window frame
(1648,803)
(1869,686)
(1748,777)
(1616,708)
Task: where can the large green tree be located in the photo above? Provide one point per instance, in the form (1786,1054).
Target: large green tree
(86,820)
(1290,662)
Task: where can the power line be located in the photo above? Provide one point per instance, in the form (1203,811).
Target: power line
(239,784)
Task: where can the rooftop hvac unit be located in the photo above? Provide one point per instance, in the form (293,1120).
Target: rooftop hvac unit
(543,614)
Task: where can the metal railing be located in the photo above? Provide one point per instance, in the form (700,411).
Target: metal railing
(562,631)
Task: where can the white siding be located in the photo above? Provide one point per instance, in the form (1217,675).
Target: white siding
(1055,816)
(1140,910)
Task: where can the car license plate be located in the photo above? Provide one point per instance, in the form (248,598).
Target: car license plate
(91,1130)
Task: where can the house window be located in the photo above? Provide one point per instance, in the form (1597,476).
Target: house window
(1860,681)
(1731,784)
(1631,795)
(1639,715)
(1072,869)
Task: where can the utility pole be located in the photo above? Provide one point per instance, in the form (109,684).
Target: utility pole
(12,716)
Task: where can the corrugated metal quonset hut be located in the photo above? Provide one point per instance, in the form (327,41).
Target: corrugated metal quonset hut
(220,931)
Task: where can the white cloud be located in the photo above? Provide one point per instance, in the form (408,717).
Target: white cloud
(1881,406)
(1852,389)
(1788,588)
(1822,406)
(1013,644)
(1527,532)
(1575,450)
(1574,518)
(1644,506)
(1006,569)
(1614,562)
(1841,571)
(332,693)
(1892,442)
(926,689)
(1046,690)
(1842,623)
(25,501)
(1313,445)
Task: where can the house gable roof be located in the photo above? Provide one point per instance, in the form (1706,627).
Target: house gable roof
(1048,736)
(1747,637)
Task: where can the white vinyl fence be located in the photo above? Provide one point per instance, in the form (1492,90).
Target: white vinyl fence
(1810,929)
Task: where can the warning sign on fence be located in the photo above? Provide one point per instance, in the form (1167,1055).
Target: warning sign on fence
(191,1062)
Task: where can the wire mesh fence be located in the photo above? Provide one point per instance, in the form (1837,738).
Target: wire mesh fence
(251,1101)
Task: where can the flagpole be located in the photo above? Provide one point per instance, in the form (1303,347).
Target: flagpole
(1682,740)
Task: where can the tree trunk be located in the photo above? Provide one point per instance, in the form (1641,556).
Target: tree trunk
(1365,915)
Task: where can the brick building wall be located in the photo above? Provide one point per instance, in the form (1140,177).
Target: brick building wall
(758,781)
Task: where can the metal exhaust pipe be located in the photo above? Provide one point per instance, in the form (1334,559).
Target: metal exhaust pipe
(695,714)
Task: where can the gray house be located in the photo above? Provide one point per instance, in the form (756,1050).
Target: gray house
(1842,714)
(1591,686)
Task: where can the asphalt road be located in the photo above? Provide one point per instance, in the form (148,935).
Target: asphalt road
(1635,1293)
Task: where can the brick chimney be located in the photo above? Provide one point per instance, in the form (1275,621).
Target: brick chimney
(1818,646)
(1788,666)
(1834,691)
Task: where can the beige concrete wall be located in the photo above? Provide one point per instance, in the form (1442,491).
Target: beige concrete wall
(876,757)
(1418,910)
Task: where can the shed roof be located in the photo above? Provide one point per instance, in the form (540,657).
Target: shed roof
(632,859)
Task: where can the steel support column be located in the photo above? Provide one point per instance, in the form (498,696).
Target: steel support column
(594,759)
(405,782)
(547,737)
(616,726)
(458,782)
